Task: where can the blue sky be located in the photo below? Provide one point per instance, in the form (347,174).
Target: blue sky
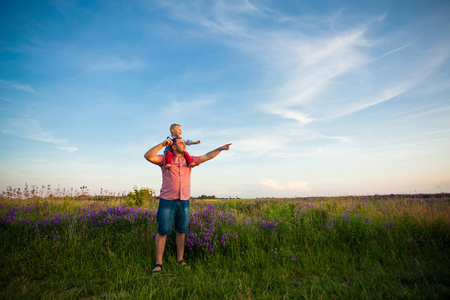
(319,98)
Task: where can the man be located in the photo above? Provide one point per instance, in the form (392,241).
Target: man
(174,204)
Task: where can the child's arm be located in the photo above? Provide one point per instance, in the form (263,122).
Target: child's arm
(191,142)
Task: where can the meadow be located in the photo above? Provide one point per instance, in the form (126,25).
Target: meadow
(70,245)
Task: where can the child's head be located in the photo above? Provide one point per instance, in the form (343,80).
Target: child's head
(175,130)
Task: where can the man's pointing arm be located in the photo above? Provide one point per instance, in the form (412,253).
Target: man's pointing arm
(212,154)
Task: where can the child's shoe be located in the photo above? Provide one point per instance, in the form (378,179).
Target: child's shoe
(168,159)
(188,159)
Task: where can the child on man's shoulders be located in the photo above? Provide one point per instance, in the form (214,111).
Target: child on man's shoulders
(175,131)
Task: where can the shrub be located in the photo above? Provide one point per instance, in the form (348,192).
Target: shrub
(140,197)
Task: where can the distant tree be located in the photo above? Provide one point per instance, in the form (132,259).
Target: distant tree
(203,197)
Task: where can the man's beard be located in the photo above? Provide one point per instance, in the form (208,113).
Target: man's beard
(180,152)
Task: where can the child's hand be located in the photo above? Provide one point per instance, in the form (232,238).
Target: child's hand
(167,142)
(197,142)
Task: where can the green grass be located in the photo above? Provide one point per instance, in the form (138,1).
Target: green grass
(330,248)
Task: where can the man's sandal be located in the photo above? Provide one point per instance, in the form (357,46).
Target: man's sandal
(184,264)
(156,271)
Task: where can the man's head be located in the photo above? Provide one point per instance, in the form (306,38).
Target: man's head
(178,146)
(175,130)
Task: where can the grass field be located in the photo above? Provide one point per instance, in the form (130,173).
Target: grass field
(373,247)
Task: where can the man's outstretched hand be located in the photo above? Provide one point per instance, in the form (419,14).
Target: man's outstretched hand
(214,153)
(225,147)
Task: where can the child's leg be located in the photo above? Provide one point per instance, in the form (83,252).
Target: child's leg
(168,159)
(188,159)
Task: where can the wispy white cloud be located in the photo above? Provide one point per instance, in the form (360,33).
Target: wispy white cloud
(306,91)
(68,92)
(215,16)
(388,53)
(309,75)
(295,153)
(11,174)
(287,113)
(384,95)
(68,149)
(112,64)
(104,61)
(286,186)
(418,139)
(420,109)
(279,140)
(437,113)
(343,139)
(18,86)
(389,91)
(307,65)
(258,146)
(29,128)
(182,104)
(192,105)
(417,144)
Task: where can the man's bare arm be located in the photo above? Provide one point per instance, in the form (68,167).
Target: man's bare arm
(150,155)
(212,154)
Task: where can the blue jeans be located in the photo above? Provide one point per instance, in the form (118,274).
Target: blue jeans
(170,211)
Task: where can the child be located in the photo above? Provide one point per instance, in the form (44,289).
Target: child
(175,130)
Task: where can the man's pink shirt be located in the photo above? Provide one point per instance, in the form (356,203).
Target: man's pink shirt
(176,182)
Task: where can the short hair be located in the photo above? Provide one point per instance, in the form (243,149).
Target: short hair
(173,126)
(174,140)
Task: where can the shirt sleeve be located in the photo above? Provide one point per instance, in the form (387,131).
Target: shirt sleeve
(160,161)
(195,159)
(188,142)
